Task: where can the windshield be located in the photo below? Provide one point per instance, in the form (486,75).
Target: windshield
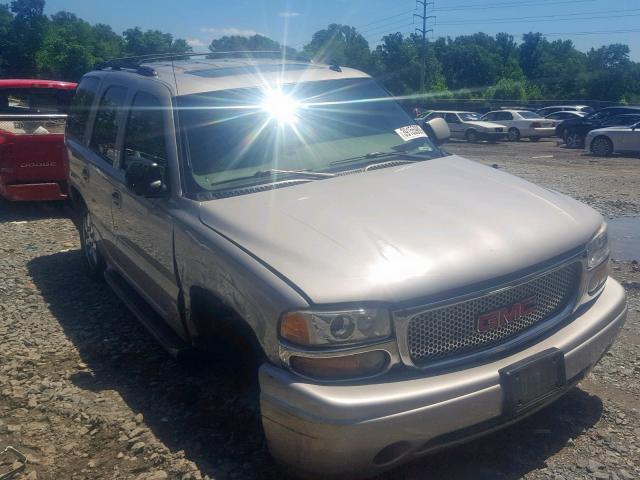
(468,116)
(236,135)
(28,101)
(528,115)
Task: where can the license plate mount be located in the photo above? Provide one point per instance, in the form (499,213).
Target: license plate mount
(531,381)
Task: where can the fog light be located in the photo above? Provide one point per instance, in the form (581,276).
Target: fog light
(341,368)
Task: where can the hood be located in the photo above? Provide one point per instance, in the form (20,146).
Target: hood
(483,124)
(401,233)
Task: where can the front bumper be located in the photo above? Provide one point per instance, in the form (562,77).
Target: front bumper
(327,430)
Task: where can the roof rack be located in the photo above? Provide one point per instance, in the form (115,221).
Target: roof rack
(135,63)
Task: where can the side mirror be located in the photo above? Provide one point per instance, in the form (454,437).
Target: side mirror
(144,177)
(440,130)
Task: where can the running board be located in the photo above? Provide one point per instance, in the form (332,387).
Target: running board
(167,338)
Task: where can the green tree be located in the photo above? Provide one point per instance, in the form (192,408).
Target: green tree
(612,73)
(72,46)
(151,42)
(234,43)
(25,36)
(6,19)
(507,89)
(341,44)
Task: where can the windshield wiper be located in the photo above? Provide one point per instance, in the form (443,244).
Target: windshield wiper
(307,173)
(374,155)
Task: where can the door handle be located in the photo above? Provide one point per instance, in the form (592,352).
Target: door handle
(85,174)
(116,198)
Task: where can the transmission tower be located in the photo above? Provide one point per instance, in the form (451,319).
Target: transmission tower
(424,17)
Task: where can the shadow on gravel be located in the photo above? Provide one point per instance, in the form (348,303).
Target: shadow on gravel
(511,453)
(23,211)
(204,411)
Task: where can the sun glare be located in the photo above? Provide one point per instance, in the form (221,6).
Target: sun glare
(280,107)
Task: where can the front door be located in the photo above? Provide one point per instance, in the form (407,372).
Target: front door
(144,227)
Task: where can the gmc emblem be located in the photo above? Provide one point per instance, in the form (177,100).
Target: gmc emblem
(506,315)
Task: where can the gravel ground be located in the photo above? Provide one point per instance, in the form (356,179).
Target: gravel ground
(86,393)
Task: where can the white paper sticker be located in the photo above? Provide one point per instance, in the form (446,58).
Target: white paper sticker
(410,132)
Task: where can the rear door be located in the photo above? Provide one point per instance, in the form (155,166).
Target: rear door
(144,226)
(99,171)
(455,125)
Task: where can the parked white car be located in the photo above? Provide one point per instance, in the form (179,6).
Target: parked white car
(522,124)
(605,141)
(468,126)
(585,109)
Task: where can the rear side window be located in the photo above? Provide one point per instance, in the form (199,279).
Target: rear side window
(80,107)
(145,132)
(105,128)
(502,116)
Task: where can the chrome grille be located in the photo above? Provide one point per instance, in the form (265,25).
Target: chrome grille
(447,332)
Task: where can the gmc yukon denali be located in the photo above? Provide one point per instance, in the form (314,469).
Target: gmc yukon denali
(400,299)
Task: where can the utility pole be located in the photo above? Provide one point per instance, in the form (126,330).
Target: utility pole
(424,32)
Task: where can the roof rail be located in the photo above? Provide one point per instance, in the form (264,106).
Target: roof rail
(135,62)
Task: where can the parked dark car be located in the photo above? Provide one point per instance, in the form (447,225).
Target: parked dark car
(574,131)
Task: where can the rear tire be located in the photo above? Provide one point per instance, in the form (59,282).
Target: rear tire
(601,146)
(94,261)
(573,139)
(513,135)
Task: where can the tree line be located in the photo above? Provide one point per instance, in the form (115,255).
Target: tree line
(467,67)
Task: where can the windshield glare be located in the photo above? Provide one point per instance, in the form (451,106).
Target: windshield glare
(232,135)
(468,116)
(529,115)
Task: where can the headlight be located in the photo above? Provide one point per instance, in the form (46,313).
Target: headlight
(598,252)
(598,248)
(331,328)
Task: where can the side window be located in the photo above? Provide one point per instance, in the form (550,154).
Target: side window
(490,116)
(105,128)
(451,118)
(81,106)
(503,116)
(145,133)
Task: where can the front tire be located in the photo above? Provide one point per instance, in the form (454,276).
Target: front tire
(601,146)
(471,136)
(573,139)
(513,135)
(94,261)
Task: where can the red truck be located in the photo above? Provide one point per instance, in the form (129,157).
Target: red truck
(32,158)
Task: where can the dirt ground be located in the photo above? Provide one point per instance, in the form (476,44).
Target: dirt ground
(86,393)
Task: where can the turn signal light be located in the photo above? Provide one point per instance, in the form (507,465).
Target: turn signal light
(341,368)
(294,328)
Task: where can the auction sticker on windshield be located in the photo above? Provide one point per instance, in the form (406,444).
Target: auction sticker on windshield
(410,132)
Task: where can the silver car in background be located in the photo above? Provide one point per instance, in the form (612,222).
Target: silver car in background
(400,299)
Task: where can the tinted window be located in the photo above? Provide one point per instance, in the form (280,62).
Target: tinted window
(144,135)
(502,116)
(105,128)
(621,120)
(80,107)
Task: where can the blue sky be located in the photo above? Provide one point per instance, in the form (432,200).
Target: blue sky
(200,21)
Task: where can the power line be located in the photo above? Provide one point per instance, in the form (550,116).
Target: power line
(394,24)
(544,18)
(386,18)
(524,3)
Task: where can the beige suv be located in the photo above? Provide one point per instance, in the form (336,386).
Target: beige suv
(399,299)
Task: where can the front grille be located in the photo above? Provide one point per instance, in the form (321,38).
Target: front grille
(447,332)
